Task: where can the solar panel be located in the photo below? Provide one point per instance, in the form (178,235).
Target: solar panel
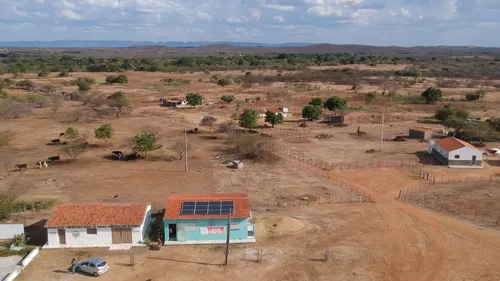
(207,208)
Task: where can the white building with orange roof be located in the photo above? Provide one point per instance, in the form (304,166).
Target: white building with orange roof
(456,153)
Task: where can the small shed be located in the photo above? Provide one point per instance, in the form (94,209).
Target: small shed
(237,164)
(420,133)
(8,231)
(203,219)
(336,119)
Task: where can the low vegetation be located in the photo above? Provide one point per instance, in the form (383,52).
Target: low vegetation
(146,142)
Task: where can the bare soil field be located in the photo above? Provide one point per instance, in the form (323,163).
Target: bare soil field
(298,214)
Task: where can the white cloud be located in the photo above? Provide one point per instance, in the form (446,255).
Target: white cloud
(448,9)
(363,16)
(39,1)
(279,7)
(204,16)
(279,19)
(122,13)
(393,13)
(420,17)
(326,8)
(405,12)
(18,12)
(255,13)
(233,19)
(42,15)
(71,15)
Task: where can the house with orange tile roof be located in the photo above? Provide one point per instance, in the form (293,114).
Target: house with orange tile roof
(203,219)
(174,102)
(456,153)
(281,110)
(104,224)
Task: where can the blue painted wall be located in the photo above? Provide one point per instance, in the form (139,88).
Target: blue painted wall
(193,233)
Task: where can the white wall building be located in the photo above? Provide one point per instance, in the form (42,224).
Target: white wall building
(456,153)
(98,225)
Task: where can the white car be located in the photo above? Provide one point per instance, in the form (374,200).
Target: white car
(94,266)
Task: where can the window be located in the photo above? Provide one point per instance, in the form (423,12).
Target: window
(92,265)
(457,156)
(91,230)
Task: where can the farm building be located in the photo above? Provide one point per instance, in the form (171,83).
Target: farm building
(456,153)
(335,119)
(281,110)
(202,219)
(174,102)
(98,224)
(420,133)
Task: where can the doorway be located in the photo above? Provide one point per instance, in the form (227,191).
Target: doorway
(121,235)
(474,160)
(61,233)
(172,232)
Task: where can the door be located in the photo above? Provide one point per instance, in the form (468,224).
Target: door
(84,267)
(251,231)
(121,235)
(474,160)
(61,233)
(172,232)
(181,233)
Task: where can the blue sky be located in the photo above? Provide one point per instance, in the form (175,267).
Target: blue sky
(375,22)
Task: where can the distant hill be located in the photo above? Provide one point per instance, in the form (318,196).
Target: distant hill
(124,44)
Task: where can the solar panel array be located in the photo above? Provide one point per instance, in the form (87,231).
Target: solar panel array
(207,208)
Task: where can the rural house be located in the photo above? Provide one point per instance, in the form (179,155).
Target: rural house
(456,153)
(202,219)
(98,224)
(282,110)
(174,102)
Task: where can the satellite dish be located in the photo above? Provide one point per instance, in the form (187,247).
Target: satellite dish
(76,234)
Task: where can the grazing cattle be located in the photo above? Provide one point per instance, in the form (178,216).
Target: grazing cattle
(54,141)
(132,157)
(61,134)
(22,166)
(42,164)
(54,158)
(118,154)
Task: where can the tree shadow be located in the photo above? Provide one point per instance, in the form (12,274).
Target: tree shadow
(183,261)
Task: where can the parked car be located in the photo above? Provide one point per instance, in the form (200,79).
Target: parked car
(94,266)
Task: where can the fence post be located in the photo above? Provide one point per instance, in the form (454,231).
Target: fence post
(475,217)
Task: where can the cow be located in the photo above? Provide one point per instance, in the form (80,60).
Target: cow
(61,134)
(54,158)
(42,164)
(118,154)
(132,157)
(22,166)
(54,141)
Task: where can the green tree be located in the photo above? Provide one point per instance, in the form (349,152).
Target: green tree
(432,95)
(104,132)
(480,131)
(208,121)
(3,94)
(194,99)
(311,112)
(316,102)
(119,100)
(71,133)
(448,111)
(146,142)
(455,123)
(110,79)
(335,103)
(248,119)
(83,85)
(2,69)
(273,118)
(494,122)
(227,98)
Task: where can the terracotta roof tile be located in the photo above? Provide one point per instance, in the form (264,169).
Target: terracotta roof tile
(240,200)
(273,109)
(97,214)
(451,144)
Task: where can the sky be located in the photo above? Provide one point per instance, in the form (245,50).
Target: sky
(371,22)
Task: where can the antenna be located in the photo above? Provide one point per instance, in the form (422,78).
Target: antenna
(381,132)
(185,151)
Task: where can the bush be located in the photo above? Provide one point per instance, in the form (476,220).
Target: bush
(3,94)
(71,133)
(369,97)
(311,112)
(83,85)
(316,102)
(225,81)
(76,96)
(11,108)
(447,111)
(105,132)
(146,142)
(43,73)
(194,99)
(226,127)
(119,100)
(254,147)
(26,84)
(37,101)
(248,119)
(472,96)
(48,88)
(63,74)
(227,98)
(120,79)
(85,79)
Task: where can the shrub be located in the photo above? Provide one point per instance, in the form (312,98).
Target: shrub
(26,84)
(37,101)
(48,88)
(119,100)
(120,79)
(316,102)
(447,111)
(369,97)
(432,95)
(472,96)
(83,85)
(146,142)
(208,121)
(226,127)
(3,94)
(104,132)
(63,74)
(248,119)
(11,108)
(194,99)
(43,73)
(227,98)
(311,112)
(225,81)
(253,147)
(71,133)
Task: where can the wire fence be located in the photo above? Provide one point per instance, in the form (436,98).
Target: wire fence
(419,195)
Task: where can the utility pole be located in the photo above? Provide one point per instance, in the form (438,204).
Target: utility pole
(227,236)
(381,132)
(185,151)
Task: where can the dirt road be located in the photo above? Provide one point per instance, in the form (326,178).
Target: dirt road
(426,245)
